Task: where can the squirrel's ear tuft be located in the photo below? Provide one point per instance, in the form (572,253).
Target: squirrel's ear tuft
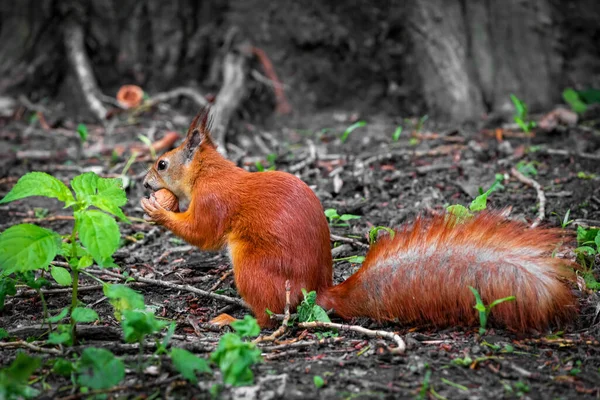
(199,132)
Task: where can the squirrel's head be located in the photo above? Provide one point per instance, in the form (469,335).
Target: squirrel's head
(178,169)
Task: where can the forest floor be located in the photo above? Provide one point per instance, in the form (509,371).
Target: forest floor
(387,182)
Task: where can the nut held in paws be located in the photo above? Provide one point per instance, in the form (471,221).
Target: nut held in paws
(167,199)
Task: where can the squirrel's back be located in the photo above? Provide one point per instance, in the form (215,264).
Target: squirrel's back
(422,275)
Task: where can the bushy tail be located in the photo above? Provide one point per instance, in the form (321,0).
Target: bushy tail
(422,275)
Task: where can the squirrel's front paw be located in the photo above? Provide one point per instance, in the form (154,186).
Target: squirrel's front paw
(155,212)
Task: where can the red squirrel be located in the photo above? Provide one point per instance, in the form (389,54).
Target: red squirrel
(275,230)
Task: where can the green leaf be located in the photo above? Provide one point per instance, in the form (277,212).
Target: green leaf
(14,380)
(99,369)
(348,217)
(63,367)
(587,236)
(331,214)
(105,193)
(319,314)
(374,232)
(82,130)
(247,327)
(99,233)
(188,364)
(318,381)
(59,317)
(123,298)
(7,288)
(27,247)
(3,334)
(138,324)
(349,130)
(234,358)
(61,276)
(520,107)
(572,98)
(397,133)
(500,301)
(39,184)
(85,261)
(459,211)
(59,338)
(85,186)
(84,314)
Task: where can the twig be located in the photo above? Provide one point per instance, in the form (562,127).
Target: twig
(359,329)
(26,345)
(337,238)
(540,195)
(188,288)
(221,279)
(193,94)
(283,327)
(74,43)
(568,153)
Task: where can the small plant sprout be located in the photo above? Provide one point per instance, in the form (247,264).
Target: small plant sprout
(397,133)
(82,130)
(309,311)
(478,204)
(588,241)
(521,115)
(94,238)
(348,131)
(374,233)
(573,99)
(334,218)
(564,221)
(235,356)
(270,162)
(318,381)
(484,311)
(146,140)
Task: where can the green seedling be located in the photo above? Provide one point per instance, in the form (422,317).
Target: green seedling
(527,168)
(99,369)
(564,221)
(334,218)
(235,356)
(588,246)
(40,212)
(521,115)
(318,381)
(94,238)
(455,385)
(350,129)
(309,311)
(374,233)
(188,364)
(484,311)
(573,99)
(82,130)
(14,379)
(461,213)
(585,175)
(146,140)
(397,133)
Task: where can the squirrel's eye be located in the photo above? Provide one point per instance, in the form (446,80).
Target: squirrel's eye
(162,164)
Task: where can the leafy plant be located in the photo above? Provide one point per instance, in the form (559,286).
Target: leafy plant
(527,168)
(188,364)
(478,204)
(309,311)
(521,116)
(397,133)
(14,379)
(318,381)
(334,218)
(235,356)
(95,235)
(99,369)
(588,246)
(348,131)
(572,98)
(585,176)
(82,130)
(565,221)
(484,311)
(270,161)
(374,232)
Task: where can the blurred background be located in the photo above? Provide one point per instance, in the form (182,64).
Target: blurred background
(456,60)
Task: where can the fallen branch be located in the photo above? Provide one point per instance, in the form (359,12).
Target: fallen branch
(74,43)
(540,195)
(337,238)
(190,93)
(359,329)
(26,345)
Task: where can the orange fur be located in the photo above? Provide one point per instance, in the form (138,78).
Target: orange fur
(275,230)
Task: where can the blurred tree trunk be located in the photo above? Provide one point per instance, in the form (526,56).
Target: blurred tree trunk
(473,54)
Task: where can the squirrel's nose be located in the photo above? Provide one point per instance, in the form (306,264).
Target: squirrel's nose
(146,185)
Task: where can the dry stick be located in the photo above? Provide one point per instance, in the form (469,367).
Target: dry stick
(359,329)
(193,94)
(221,279)
(78,58)
(188,288)
(24,344)
(540,195)
(284,324)
(337,238)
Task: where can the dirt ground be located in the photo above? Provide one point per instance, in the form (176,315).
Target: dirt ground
(385,182)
